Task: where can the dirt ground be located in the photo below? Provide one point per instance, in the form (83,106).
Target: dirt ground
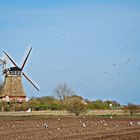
(69,128)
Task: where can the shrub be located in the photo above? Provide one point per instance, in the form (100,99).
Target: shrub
(4,106)
(75,105)
(23,106)
(56,106)
(43,107)
(34,104)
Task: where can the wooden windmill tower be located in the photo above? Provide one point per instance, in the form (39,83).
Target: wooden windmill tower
(13,88)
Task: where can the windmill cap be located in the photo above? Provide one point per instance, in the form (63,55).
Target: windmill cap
(15,69)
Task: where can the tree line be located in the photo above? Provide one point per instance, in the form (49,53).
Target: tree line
(64,98)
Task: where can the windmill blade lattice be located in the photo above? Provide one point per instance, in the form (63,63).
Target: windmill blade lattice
(11,59)
(26,58)
(31,81)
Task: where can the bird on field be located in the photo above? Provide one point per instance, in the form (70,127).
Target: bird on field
(130,123)
(105,124)
(138,123)
(102,121)
(84,125)
(29,110)
(45,125)
(111,117)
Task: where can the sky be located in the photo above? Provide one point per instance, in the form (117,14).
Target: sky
(91,45)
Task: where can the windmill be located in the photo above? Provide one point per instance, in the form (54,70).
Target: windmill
(13,88)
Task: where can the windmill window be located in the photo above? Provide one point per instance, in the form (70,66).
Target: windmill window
(12,72)
(18,72)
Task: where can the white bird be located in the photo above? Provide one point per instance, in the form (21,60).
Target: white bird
(138,123)
(58,128)
(84,125)
(102,121)
(45,125)
(105,124)
(111,117)
(29,110)
(130,123)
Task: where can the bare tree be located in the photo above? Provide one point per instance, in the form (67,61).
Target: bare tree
(62,91)
(132,108)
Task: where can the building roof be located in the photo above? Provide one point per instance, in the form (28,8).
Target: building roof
(14,69)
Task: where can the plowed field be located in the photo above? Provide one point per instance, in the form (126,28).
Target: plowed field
(69,128)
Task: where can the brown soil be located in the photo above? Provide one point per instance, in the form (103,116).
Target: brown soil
(69,128)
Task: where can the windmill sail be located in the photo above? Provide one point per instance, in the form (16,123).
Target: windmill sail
(26,58)
(10,59)
(31,81)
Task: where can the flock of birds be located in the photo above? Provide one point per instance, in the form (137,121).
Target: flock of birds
(83,124)
(90,81)
(104,122)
